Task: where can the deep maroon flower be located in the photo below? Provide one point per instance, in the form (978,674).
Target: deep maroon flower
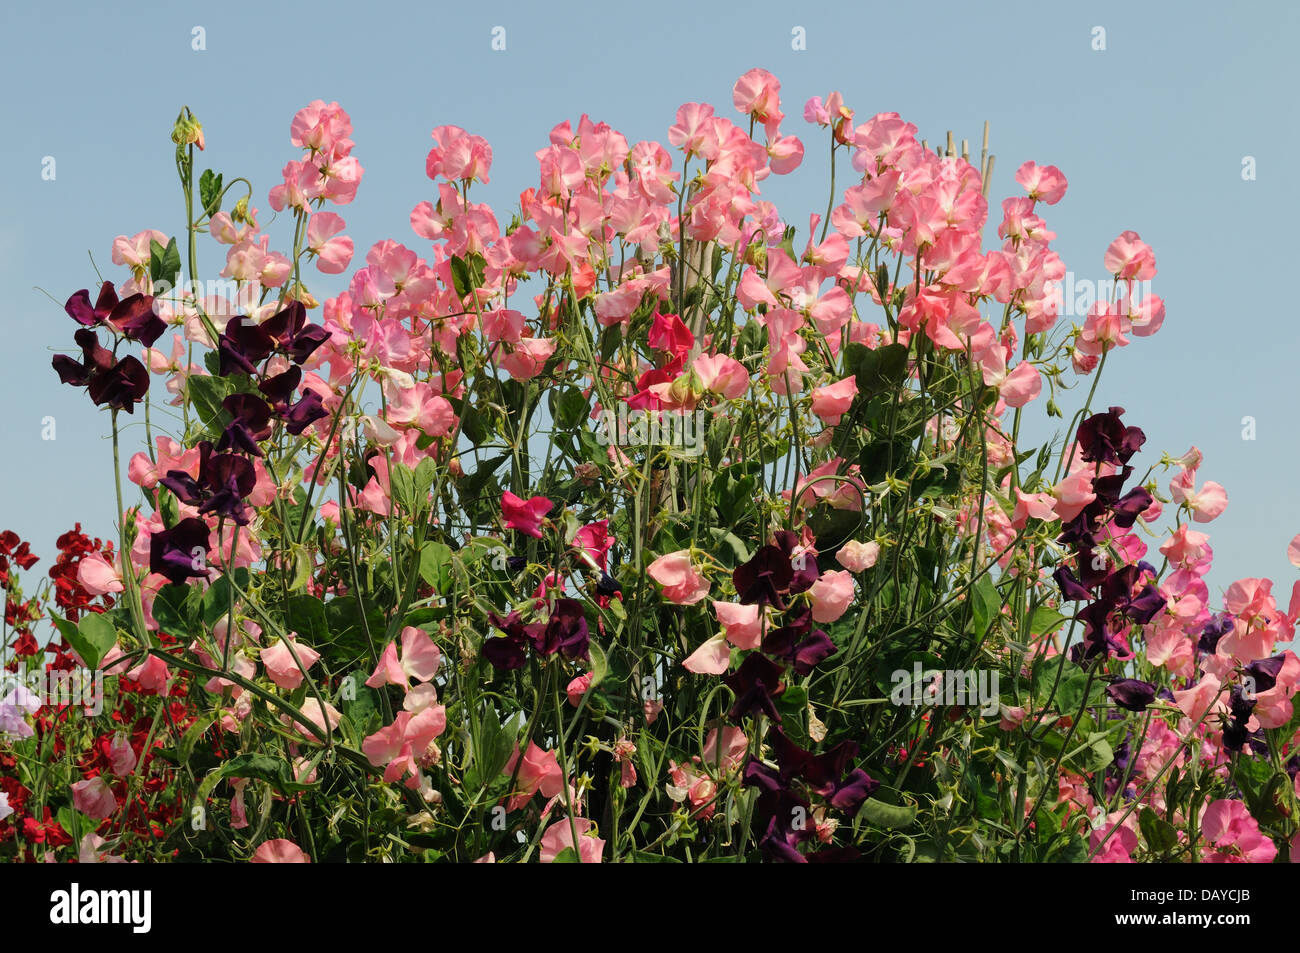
(80,309)
(180,553)
(292,335)
(764,577)
(279,390)
(122,387)
(242,346)
(251,422)
(133,316)
(1131,693)
(755,684)
(225,480)
(96,359)
(305,413)
(1104,438)
(1265,672)
(119,384)
(564,632)
(506,651)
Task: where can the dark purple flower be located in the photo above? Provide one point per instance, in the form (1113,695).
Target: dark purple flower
(180,553)
(1213,631)
(1070,587)
(122,387)
(755,684)
(279,390)
(242,346)
(224,482)
(506,651)
(286,328)
(81,311)
(1131,693)
(250,422)
(764,577)
(1265,672)
(564,632)
(305,413)
(135,318)
(1104,438)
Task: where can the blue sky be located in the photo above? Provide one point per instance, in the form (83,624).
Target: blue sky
(1151,133)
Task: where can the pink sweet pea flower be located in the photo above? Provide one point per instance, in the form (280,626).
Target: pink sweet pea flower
(540,771)
(1196,701)
(593,542)
(1229,826)
(405,744)
(740,623)
(682,584)
(559,836)
(831,595)
(1044,183)
(857,556)
(279,851)
(1130,257)
(1038,505)
(281,667)
(94,798)
(528,358)
(831,402)
(713,657)
(333,251)
(722,375)
(1073,494)
(1022,385)
(420,660)
(97,575)
(525,515)
(577,688)
(1206,504)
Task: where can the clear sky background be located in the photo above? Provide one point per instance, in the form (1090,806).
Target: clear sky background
(1151,132)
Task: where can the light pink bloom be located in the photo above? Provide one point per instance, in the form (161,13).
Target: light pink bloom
(94,798)
(712,657)
(281,667)
(1229,826)
(559,836)
(857,556)
(97,575)
(682,584)
(831,595)
(831,402)
(740,622)
(279,851)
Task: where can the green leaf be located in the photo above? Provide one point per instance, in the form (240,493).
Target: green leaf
(569,408)
(174,609)
(879,814)
(91,638)
(467,274)
(164,263)
(210,192)
(260,767)
(1045,620)
(1097,756)
(985,604)
(435,566)
(599,662)
(206,394)
(877,370)
(1159,834)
